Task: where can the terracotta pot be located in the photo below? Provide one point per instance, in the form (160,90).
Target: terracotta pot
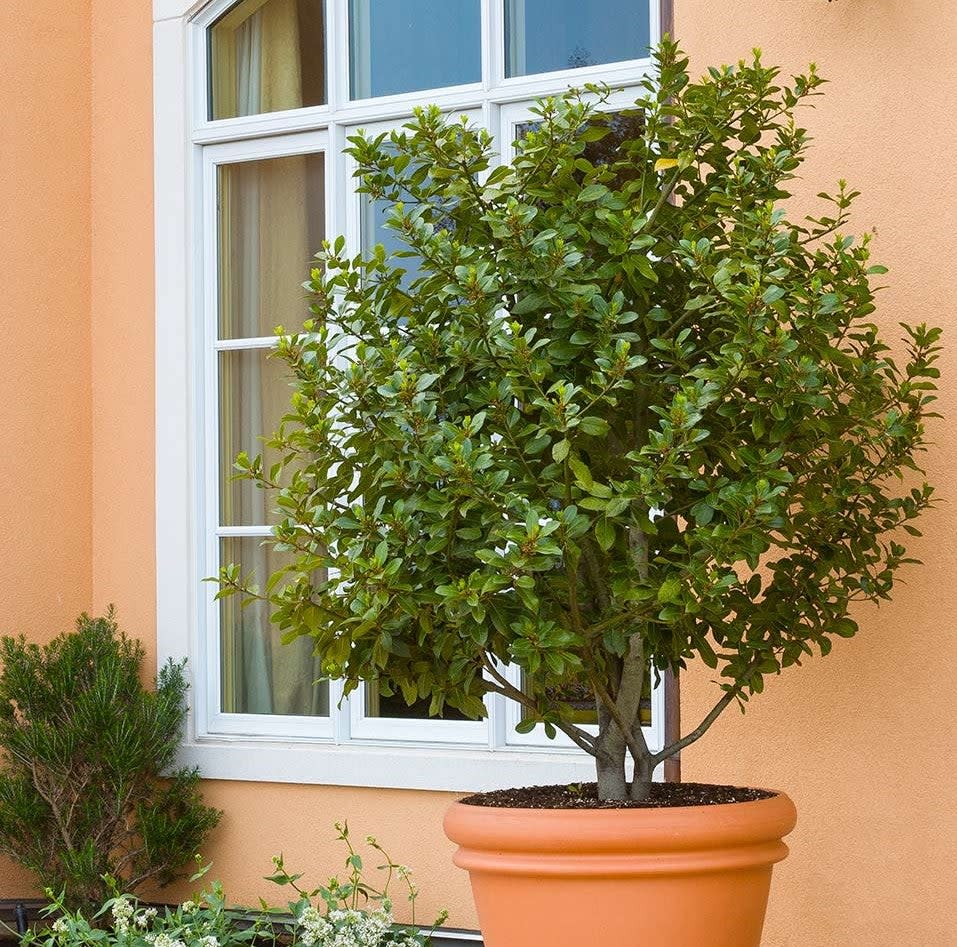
(682,877)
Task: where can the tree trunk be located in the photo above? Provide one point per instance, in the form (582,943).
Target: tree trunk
(610,759)
(610,755)
(644,769)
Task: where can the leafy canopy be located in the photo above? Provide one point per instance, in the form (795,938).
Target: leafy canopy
(628,411)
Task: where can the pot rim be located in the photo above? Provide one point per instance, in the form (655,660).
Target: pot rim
(664,829)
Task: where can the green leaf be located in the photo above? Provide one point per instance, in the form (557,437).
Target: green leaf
(670,590)
(605,534)
(845,627)
(644,267)
(560,451)
(592,192)
(596,427)
(581,472)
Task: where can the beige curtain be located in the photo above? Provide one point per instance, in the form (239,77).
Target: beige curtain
(264,253)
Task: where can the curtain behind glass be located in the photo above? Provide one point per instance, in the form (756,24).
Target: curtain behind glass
(267,56)
(266,242)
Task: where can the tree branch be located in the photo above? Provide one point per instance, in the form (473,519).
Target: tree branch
(506,688)
(700,730)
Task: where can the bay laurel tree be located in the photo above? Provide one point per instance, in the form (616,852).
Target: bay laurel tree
(629,413)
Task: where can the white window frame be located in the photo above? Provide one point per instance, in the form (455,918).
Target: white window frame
(347,748)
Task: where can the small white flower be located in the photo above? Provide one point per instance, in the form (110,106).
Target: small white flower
(209,941)
(164,940)
(60,925)
(187,907)
(122,908)
(144,917)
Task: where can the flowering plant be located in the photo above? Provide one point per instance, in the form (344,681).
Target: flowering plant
(357,914)
(342,913)
(123,921)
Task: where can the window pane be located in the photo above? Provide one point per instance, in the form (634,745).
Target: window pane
(581,701)
(271,222)
(407,45)
(260,675)
(266,56)
(395,708)
(374,231)
(254,394)
(622,126)
(547,35)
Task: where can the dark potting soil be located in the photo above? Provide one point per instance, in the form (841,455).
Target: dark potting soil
(585,796)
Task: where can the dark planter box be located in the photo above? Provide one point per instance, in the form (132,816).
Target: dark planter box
(15,915)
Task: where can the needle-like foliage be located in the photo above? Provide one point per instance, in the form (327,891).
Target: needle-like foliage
(88,785)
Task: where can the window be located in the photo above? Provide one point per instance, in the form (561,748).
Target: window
(255,102)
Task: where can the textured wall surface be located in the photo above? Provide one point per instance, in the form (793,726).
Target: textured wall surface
(45,470)
(862,741)
(122,314)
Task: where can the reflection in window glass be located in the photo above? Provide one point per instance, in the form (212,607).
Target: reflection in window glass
(394,707)
(260,675)
(374,229)
(622,126)
(375,213)
(580,700)
(408,45)
(267,56)
(271,223)
(548,35)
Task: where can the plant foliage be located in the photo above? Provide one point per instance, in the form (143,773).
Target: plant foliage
(345,912)
(86,750)
(628,414)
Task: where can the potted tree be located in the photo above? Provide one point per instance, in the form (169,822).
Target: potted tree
(628,414)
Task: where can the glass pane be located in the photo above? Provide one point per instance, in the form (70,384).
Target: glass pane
(395,708)
(254,394)
(374,231)
(408,45)
(260,675)
(581,700)
(266,56)
(548,35)
(271,223)
(622,126)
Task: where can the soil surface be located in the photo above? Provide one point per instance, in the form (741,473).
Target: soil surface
(585,796)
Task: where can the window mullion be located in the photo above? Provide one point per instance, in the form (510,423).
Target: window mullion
(337,52)
(339,711)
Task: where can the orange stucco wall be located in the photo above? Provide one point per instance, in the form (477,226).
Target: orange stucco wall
(45,457)
(44,314)
(862,740)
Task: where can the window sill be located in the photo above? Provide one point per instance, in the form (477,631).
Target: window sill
(396,766)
